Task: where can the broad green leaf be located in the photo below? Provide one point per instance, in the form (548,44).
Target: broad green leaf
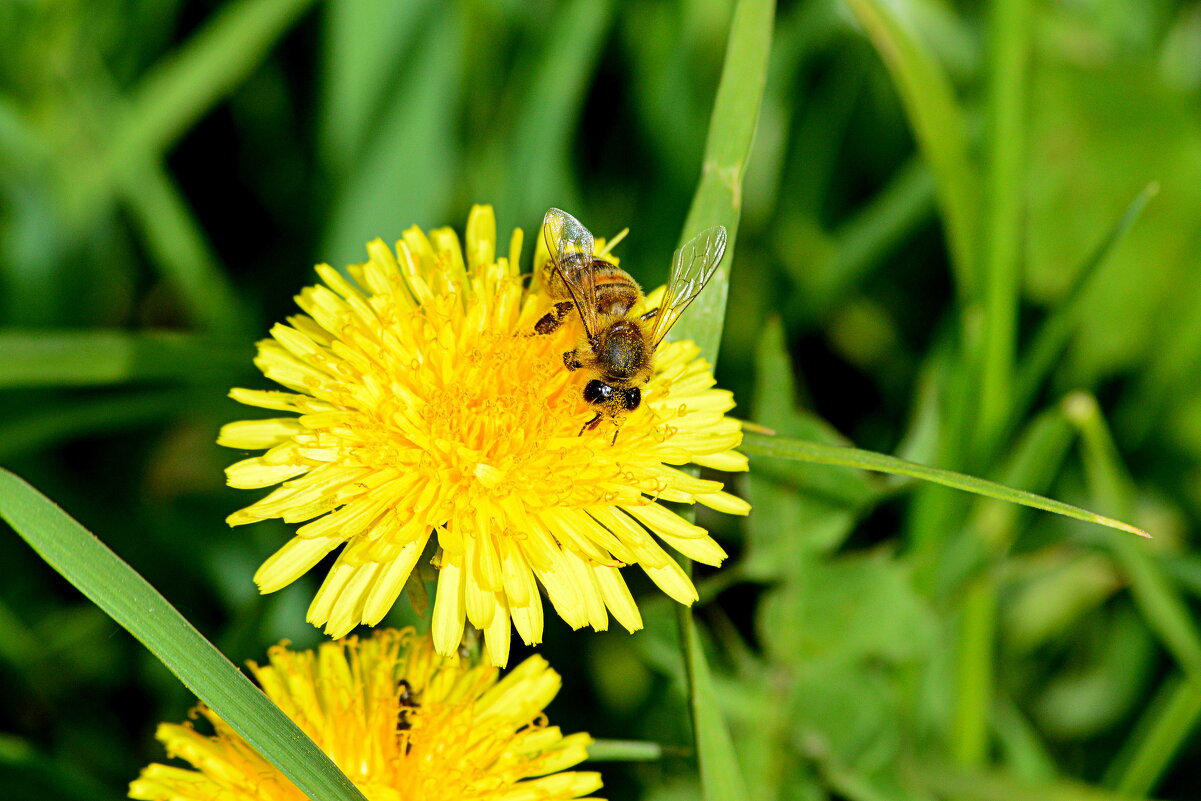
(1111,681)
(125,596)
(781,448)
(845,609)
(718,198)
(939,127)
(104,356)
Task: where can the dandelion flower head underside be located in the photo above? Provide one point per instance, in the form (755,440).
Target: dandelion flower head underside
(419,405)
(403,724)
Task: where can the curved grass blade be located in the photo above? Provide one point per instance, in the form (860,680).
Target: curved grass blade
(781,448)
(182,87)
(1056,330)
(718,198)
(128,599)
(938,124)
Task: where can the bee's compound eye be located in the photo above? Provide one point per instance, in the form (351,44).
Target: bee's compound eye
(597,391)
(631,398)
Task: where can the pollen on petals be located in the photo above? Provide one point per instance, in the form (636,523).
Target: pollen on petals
(428,419)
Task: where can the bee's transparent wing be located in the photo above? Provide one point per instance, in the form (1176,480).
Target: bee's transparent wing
(571,246)
(691,268)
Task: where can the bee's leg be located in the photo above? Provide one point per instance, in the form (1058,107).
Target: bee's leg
(554,318)
(650,315)
(591,424)
(616,431)
(571,361)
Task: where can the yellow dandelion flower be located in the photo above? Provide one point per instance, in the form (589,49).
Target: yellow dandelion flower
(422,404)
(400,721)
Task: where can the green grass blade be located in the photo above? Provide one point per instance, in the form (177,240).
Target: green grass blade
(544,125)
(947,782)
(1170,719)
(181,88)
(128,599)
(1011,33)
(48,424)
(363,42)
(861,242)
(624,751)
(721,777)
(718,198)
(1033,462)
(1160,601)
(1053,334)
(1166,724)
(939,127)
(57,358)
(180,248)
(781,448)
(402,175)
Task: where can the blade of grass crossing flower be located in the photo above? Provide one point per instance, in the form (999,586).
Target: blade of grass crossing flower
(125,596)
(939,127)
(34,358)
(718,197)
(779,447)
(721,777)
(1006,179)
(718,201)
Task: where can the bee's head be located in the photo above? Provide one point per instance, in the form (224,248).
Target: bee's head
(611,398)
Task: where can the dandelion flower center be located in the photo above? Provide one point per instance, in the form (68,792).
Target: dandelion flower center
(427,407)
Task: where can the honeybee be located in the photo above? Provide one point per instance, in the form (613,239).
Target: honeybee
(618,344)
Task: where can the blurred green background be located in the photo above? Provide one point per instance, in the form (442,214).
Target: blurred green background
(169,173)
